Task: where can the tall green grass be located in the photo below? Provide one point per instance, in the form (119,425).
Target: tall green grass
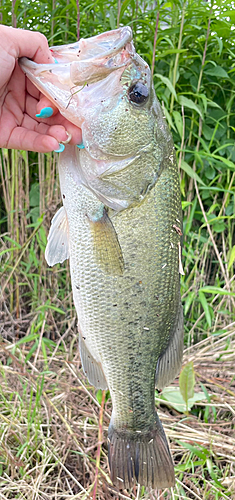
(194,80)
(192,46)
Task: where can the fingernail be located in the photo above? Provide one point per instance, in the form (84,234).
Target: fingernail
(80,146)
(55,61)
(45,113)
(61,148)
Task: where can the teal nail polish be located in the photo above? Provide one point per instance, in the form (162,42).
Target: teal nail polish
(80,146)
(45,112)
(61,149)
(55,61)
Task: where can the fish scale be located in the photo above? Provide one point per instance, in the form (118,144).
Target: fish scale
(120,226)
(104,317)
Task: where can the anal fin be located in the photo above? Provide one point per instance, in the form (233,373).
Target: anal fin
(170,363)
(107,250)
(91,367)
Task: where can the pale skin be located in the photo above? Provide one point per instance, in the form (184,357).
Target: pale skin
(20,100)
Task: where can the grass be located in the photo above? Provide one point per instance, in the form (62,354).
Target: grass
(50,418)
(51,421)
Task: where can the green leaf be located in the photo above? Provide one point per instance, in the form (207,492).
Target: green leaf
(209,172)
(168,117)
(8,250)
(34,195)
(205,306)
(31,351)
(170,51)
(200,454)
(46,306)
(112,20)
(188,302)
(231,258)
(44,352)
(228,13)
(217,71)
(204,101)
(207,132)
(216,290)
(178,122)
(7,238)
(186,167)
(123,8)
(210,466)
(174,397)
(219,227)
(99,396)
(29,338)
(213,104)
(186,204)
(188,103)
(227,162)
(191,216)
(187,382)
(167,82)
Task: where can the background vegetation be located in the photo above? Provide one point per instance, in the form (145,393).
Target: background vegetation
(49,416)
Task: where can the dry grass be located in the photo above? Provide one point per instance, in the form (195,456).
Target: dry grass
(50,419)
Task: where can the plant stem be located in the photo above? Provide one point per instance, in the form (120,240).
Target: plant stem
(78,20)
(100,434)
(155,42)
(118,13)
(177,56)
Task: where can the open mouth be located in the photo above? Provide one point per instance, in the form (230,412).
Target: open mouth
(87,60)
(78,65)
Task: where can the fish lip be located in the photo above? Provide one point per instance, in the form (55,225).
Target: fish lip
(119,39)
(124,35)
(27,66)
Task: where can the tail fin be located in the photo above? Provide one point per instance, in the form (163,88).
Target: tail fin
(140,457)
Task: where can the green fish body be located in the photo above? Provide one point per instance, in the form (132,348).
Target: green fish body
(120,226)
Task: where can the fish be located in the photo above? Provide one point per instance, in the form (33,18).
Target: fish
(120,226)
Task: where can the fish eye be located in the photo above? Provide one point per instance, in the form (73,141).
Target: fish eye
(138,93)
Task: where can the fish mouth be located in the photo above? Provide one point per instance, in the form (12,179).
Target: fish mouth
(86,61)
(102,45)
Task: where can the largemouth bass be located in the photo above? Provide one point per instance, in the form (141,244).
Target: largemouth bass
(120,226)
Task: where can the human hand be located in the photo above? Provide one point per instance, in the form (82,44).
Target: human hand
(20,100)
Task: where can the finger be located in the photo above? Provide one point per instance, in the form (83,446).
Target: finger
(44,103)
(32,90)
(58,119)
(74,131)
(60,129)
(42,140)
(41,137)
(23,43)
(57,131)
(29,140)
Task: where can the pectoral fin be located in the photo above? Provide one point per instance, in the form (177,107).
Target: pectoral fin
(57,249)
(107,250)
(170,363)
(91,367)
